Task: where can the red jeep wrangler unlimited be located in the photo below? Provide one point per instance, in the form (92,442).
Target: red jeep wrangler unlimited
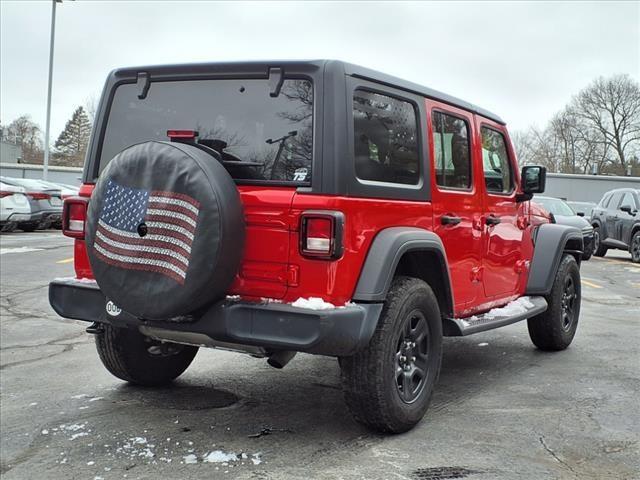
(307,206)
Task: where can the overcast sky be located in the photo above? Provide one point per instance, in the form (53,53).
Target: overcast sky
(520,60)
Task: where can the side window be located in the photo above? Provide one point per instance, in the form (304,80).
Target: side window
(615,201)
(452,151)
(386,139)
(628,200)
(605,201)
(498,176)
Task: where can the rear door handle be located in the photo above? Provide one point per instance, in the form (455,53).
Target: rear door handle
(492,220)
(450,220)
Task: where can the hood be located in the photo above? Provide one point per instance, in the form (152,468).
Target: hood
(572,221)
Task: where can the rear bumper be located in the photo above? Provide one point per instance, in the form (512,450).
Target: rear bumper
(25,217)
(335,332)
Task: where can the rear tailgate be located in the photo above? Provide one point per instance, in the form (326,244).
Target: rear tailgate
(265,268)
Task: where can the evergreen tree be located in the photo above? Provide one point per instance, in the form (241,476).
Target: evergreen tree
(71,145)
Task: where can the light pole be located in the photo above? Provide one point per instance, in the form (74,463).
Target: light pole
(45,167)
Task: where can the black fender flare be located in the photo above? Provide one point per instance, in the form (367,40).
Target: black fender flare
(551,242)
(385,253)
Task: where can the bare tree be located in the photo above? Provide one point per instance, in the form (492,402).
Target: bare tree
(28,135)
(612,107)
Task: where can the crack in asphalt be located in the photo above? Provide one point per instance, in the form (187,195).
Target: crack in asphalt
(67,348)
(556,457)
(54,342)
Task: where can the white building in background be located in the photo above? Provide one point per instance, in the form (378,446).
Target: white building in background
(10,152)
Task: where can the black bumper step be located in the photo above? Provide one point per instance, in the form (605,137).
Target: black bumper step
(521,309)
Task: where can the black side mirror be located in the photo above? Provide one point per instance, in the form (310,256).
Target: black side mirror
(533,179)
(628,209)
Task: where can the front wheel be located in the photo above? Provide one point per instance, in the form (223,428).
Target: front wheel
(388,385)
(635,247)
(138,359)
(599,250)
(555,328)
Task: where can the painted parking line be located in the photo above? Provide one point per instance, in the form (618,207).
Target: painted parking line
(66,260)
(620,262)
(590,284)
(4,251)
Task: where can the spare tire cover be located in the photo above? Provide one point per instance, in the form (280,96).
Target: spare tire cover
(165,230)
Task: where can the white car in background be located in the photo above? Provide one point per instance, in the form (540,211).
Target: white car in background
(65,189)
(14,207)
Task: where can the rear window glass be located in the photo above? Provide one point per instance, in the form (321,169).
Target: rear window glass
(386,139)
(261,138)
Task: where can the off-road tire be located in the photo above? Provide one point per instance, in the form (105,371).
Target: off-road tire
(600,250)
(125,353)
(370,377)
(555,328)
(634,247)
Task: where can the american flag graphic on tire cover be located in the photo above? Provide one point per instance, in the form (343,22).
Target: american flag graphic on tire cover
(170,219)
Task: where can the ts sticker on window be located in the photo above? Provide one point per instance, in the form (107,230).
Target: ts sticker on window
(300,175)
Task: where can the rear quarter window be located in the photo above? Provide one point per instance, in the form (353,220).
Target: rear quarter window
(385,139)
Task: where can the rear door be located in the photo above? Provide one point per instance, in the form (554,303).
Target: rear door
(457,205)
(625,219)
(502,228)
(611,216)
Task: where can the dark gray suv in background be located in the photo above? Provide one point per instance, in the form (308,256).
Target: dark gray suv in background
(616,222)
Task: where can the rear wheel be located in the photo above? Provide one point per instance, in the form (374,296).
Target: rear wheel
(635,247)
(599,250)
(555,328)
(138,359)
(388,385)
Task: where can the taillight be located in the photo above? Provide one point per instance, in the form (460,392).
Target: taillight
(74,215)
(4,193)
(39,195)
(321,234)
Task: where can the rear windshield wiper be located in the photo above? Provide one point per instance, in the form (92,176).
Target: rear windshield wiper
(227,158)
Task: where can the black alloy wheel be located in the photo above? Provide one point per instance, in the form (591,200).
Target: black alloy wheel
(412,357)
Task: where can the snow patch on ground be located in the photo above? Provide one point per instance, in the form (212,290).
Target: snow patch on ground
(191,458)
(516,307)
(218,456)
(19,250)
(483,344)
(256,458)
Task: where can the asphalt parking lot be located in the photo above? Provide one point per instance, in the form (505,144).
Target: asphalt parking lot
(502,409)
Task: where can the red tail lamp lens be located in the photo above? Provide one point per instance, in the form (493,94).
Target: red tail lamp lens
(321,234)
(39,195)
(74,216)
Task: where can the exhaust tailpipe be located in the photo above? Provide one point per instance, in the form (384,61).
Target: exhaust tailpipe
(280,358)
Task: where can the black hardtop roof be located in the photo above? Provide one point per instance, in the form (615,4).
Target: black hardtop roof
(348,68)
